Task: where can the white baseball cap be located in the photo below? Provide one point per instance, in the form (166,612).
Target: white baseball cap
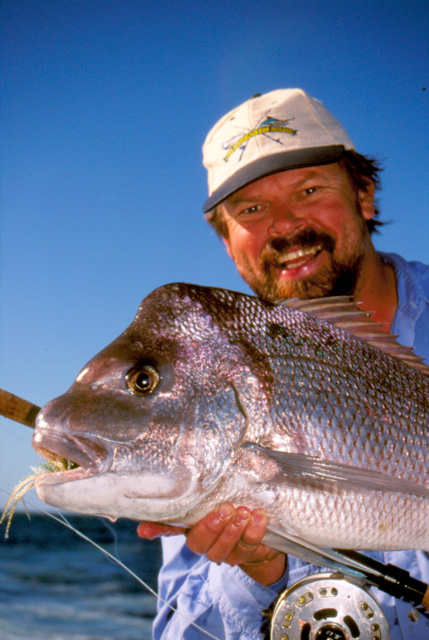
(284,129)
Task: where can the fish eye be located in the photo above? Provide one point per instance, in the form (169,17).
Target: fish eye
(142,380)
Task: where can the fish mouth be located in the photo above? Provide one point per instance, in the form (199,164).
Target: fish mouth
(70,457)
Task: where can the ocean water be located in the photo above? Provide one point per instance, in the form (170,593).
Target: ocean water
(56,586)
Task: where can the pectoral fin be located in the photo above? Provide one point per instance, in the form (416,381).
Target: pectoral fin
(300,470)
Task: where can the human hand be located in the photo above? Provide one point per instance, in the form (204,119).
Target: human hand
(230,535)
(234,535)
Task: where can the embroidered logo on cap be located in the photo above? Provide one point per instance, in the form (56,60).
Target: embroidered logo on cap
(267,125)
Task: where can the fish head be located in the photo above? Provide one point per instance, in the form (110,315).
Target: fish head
(152,422)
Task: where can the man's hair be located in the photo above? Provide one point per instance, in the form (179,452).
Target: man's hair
(361,170)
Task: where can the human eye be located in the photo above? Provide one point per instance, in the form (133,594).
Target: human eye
(305,192)
(254,208)
(247,211)
(309,191)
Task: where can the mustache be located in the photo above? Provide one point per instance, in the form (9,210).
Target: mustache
(304,239)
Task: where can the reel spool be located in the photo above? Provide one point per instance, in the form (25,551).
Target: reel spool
(328,607)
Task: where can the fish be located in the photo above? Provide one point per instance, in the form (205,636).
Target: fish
(302,407)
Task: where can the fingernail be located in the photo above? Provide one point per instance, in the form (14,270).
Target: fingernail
(258,515)
(226,511)
(242,515)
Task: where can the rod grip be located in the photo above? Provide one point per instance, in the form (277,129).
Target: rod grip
(393,580)
(18,409)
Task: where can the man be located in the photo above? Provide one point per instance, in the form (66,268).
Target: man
(294,205)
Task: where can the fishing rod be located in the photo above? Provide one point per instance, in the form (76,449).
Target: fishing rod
(18,409)
(388,578)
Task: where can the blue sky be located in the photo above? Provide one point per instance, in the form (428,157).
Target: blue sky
(105,106)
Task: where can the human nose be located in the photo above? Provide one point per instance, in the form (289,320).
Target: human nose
(285,221)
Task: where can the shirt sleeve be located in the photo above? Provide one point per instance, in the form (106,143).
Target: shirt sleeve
(221,600)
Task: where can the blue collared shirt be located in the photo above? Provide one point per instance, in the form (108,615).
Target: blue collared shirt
(225,601)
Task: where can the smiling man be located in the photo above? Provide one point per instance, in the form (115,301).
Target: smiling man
(303,233)
(294,204)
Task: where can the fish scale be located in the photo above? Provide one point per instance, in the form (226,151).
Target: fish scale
(297,407)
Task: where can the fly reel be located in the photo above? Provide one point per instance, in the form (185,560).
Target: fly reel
(328,607)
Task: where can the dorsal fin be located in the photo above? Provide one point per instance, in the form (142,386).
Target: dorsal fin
(343,312)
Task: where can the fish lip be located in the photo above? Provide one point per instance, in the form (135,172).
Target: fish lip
(59,477)
(87,452)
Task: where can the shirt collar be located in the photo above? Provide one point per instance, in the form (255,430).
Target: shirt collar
(411,295)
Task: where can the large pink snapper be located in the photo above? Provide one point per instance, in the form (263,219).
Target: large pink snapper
(211,395)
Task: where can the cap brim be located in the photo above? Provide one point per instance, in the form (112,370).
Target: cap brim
(273,164)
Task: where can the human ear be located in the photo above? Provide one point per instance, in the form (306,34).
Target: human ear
(366,200)
(227,247)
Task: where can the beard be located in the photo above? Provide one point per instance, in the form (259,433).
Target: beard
(339,278)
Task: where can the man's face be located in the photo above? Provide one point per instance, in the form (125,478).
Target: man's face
(299,233)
